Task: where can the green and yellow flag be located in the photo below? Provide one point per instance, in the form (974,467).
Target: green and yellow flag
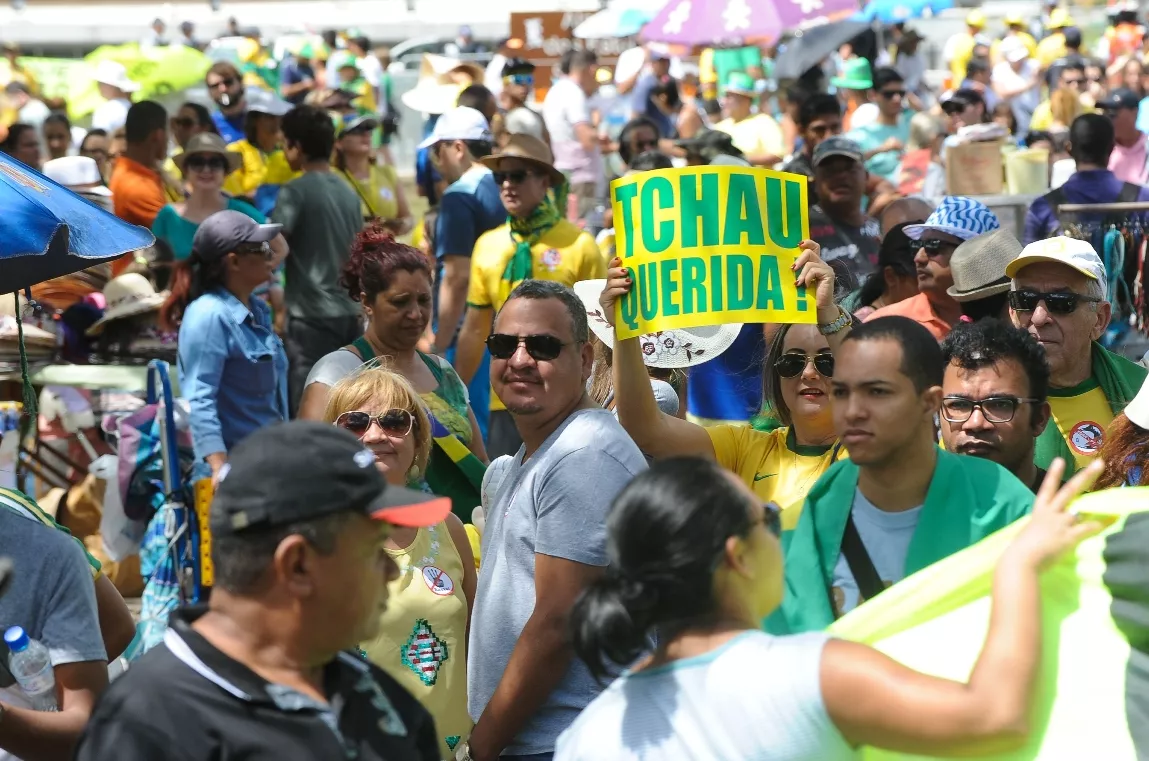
(1093,688)
(160,71)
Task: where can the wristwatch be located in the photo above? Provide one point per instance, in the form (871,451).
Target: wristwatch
(844,321)
(464,752)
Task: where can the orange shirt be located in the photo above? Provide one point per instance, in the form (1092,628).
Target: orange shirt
(918,309)
(137,197)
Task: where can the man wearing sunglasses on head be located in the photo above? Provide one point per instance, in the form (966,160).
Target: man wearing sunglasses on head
(520,119)
(545,536)
(956,220)
(1058,294)
(536,242)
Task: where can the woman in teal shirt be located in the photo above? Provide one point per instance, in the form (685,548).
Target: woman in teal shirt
(205,164)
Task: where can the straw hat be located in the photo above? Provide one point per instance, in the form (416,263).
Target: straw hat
(978,265)
(207,142)
(128,295)
(529,149)
(666,349)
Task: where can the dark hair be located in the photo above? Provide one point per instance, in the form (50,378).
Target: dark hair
(796,95)
(921,356)
(772,381)
(1091,139)
(1072,64)
(666,535)
(818,105)
(895,252)
(538,290)
(311,129)
(517,66)
(628,129)
(1035,136)
(886,75)
(57,117)
(668,87)
(202,115)
(190,279)
(989,306)
(650,160)
(577,59)
(242,559)
(1125,447)
(1072,37)
(224,70)
(1005,109)
(478,97)
(375,257)
(97,132)
(974,345)
(976,66)
(362,42)
(15,132)
(144,118)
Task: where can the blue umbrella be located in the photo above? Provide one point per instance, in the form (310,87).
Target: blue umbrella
(48,231)
(898,11)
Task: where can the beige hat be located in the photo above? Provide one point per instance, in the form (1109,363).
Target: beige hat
(207,142)
(128,295)
(1138,410)
(526,148)
(978,265)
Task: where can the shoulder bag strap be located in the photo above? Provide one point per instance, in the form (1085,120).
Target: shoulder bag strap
(359,192)
(1129,193)
(869,582)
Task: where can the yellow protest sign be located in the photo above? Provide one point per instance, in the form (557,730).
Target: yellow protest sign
(709,246)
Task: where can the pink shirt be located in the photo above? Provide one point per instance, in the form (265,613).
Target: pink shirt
(1129,164)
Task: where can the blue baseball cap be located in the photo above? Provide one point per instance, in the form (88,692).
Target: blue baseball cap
(961,217)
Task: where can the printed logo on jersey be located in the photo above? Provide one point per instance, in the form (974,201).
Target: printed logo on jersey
(552,258)
(1085,438)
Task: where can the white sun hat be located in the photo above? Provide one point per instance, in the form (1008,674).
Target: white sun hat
(113,73)
(1138,410)
(666,349)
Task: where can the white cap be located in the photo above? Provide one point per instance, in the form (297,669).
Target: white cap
(1013,50)
(113,73)
(1138,410)
(1071,252)
(75,171)
(460,123)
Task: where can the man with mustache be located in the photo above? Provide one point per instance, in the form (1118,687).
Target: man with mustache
(994,396)
(849,237)
(225,86)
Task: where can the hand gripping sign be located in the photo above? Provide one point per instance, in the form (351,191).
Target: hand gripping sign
(710,246)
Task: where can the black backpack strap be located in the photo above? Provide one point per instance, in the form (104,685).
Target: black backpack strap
(1129,193)
(869,582)
(1055,198)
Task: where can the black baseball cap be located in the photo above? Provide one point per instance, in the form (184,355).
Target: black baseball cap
(304,469)
(1122,97)
(224,231)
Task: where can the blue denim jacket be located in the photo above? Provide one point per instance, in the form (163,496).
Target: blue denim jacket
(232,369)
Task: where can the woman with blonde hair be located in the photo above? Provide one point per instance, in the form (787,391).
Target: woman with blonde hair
(422,639)
(1064,107)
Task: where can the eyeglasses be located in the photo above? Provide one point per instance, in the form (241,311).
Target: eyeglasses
(515,178)
(395,423)
(995,409)
(1062,302)
(206,162)
(222,83)
(792,365)
(771,518)
(183,121)
(891,94)
(247,249)
(933,247)
(541,348)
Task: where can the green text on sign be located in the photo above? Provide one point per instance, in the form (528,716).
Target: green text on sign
(710,246)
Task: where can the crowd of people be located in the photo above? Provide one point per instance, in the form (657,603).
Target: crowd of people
(456,517)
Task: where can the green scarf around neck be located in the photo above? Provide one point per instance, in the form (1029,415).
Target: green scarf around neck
(1119,379)
(527,232)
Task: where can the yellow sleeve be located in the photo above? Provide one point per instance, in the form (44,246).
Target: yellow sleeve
(477,292)
(247,179)
(593,265)
(278,171)
(727,441)
(1042,117)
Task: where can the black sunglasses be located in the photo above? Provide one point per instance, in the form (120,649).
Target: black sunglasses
(932,247)
(1064,302)
(542,348)
(207,162)
(395,423)
(792,365)
(892,93)
(515,178)
(954,107)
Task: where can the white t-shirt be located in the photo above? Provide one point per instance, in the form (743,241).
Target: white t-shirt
(865,114)
(886,537)
(111,115)
(756,697)
(564,107)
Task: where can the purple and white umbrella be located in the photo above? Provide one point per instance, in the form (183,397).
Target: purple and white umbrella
(709,22)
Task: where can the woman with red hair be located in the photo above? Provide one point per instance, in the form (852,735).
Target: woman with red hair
(393,283)
(1125,450)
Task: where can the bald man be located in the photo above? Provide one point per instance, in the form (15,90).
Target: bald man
(912,209)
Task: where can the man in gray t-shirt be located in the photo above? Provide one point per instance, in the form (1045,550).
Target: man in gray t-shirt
(545,534)
(51,596)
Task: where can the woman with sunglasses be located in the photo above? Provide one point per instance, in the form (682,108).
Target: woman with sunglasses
(422,639)
(694,560)
(780,465)
(190,120)
(204,164)
(380,193)
(393,283)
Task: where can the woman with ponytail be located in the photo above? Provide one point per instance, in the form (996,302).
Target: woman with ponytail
(695,563)
(232,365)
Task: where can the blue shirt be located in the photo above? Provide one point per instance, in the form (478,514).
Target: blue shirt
(293,72)
(729,387)
(642,104)
(1092,186)
(871,136)
(230,127)
(232,369)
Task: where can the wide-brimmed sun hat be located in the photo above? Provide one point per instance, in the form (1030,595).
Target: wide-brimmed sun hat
(114,74)
(207,142)
(666,349)
(529,149)
(127,295)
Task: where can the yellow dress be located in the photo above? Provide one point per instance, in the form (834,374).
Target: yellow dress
(422,640)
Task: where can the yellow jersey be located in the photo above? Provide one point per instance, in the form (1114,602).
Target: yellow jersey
(377,194)
(260,175)
(1043,116)
(1082,414)
(961,47)
(755,136)
(772,464)
(1050,50)
(564,254)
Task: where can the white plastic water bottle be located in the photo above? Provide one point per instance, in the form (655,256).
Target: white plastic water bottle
(31,665)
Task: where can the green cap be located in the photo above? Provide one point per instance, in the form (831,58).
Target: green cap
(855,76)
(741,83)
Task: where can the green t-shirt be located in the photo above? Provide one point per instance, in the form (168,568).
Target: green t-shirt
(320,217)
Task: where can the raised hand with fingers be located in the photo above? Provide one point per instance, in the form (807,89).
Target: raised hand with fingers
(1054,529)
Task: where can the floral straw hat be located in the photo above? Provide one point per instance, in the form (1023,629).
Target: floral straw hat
(666,349)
